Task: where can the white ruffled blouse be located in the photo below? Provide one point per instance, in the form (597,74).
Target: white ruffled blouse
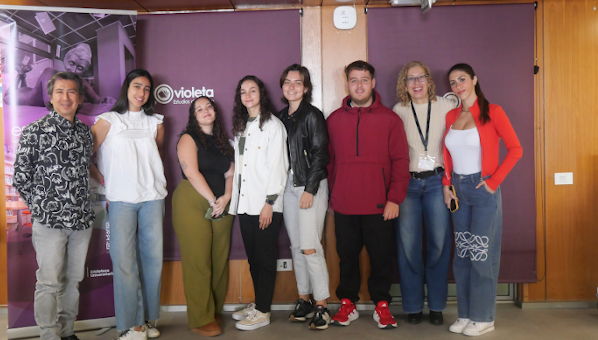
(129,159)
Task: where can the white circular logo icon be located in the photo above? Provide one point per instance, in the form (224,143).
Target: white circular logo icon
(453,97)
(163,94)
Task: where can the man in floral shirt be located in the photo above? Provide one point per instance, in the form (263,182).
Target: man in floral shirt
(52,176)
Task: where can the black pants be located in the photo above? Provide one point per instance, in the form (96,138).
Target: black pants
(352,233)
(261,247)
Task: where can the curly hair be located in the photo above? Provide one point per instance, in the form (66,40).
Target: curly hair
(240,113)
(403,94)
(220,137)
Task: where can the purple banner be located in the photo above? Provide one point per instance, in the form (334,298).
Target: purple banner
(498,42)
(207,54)
(34,45)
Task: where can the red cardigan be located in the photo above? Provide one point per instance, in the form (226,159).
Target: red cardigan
(498,127)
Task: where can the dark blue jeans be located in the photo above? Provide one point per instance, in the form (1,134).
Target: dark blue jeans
(424,204)
(478,232)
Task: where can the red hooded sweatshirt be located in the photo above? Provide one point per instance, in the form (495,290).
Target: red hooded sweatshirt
(369,158)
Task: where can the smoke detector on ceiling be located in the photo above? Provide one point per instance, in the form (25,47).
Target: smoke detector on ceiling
(397,3)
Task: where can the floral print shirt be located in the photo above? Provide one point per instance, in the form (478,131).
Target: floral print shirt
(52,172)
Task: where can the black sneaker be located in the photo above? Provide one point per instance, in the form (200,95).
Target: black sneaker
(321,319)
(436,318)
(303,311)
(415,318)
(70,337)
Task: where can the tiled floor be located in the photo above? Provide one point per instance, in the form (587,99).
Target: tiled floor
(512,323)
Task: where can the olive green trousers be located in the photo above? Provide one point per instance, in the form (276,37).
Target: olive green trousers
(204,246)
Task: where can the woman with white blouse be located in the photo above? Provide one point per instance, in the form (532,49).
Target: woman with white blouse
(129,140)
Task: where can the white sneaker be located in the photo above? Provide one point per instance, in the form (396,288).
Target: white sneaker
(459,325)
(478,328)
(132,334)
(254,320)
(242,314)
(152,332)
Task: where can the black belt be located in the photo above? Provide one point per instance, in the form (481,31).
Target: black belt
(426,174)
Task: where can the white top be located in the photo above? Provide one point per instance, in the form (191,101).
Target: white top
(437,128)
(264,168)
(465,149)
(129,158)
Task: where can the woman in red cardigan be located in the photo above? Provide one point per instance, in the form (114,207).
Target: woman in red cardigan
(471,145)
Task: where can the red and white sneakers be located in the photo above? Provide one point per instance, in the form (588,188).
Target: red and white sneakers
(383,316)
(346,314)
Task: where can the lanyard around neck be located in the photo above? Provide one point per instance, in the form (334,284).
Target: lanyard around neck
(421,135)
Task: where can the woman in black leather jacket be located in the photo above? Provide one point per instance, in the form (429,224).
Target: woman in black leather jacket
(306,194)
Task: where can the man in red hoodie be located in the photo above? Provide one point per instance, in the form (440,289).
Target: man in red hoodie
(368,178)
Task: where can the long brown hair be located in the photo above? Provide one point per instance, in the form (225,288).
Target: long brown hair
(220,137)
(240,113)
(482,101)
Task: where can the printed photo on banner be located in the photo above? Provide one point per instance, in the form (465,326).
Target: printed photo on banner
(34,45)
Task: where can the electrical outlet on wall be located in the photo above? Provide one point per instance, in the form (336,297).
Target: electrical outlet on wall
(284,265)
(563,178)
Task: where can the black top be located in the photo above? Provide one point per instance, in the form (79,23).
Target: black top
(288,120)
(52,172)
(212,164)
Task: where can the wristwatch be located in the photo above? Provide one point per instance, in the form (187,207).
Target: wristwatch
(271,202)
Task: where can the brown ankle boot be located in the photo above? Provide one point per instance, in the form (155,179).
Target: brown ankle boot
(217,319)
(211,329)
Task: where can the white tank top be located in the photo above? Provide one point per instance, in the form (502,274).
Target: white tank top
(465,149)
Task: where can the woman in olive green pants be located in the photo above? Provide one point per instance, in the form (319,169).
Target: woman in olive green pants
(199,215)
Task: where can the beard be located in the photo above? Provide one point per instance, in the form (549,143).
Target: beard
(362,102)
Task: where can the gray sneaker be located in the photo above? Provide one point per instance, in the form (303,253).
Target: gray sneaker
(242,314)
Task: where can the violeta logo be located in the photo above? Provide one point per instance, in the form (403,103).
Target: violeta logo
(165,94)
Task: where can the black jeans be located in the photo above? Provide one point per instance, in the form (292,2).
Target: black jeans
(261,247)
(352,233)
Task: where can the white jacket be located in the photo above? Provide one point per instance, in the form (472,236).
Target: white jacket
(265,166)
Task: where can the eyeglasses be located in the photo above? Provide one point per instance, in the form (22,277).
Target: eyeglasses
(421,78)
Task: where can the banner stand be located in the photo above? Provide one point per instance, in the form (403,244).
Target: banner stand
(35,43)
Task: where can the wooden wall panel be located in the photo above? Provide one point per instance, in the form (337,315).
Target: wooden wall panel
(106,4)
(340,48)
(233,294)
(172,284)
(537,291)
(311,50)
(571,144)
(23,3)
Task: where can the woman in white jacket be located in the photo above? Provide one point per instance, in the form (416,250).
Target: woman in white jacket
(261,167)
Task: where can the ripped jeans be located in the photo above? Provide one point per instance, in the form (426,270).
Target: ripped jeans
(305,227)
(478,232)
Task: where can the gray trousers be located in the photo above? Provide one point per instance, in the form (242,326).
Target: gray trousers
(61,257)
(305,227)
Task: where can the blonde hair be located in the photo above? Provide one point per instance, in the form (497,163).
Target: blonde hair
(403,94)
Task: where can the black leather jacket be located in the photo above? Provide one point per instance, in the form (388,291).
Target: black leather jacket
(308,146)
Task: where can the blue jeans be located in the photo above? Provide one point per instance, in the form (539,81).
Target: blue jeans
(136,253)
(424,203)
(478,232)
